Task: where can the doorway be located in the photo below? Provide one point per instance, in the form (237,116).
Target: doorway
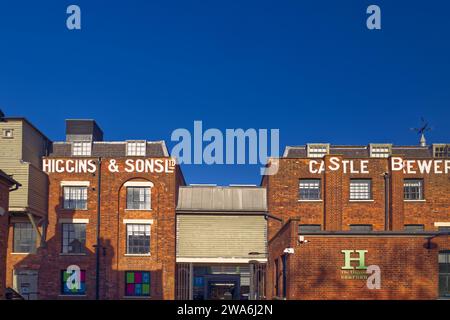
(444,274)
(26,283)
(223,287)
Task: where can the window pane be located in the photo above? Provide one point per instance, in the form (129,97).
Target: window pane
(413,189)
(360,189)
(309,189)
(24,238)
(74,238)
(75,198)
(81,148)
(138,238)
(138,198)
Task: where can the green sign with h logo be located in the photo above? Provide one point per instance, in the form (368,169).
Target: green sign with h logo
(354,256)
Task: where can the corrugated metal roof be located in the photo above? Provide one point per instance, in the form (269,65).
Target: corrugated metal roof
(222,199)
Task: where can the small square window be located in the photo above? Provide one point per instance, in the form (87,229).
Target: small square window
(441,151)
(74,238)
(81,148)
(309,189)
(136,148)
(138,198)
(138,239)
(75,198)
(380,150)
(360,189)
(8,133)
(413,189)
(317,150)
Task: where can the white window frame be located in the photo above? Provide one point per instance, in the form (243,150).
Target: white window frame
(145,188)
(420,185)
(82,148)
(446,150)
(355,181)
(317,150)
(79,196)
(136,148)
(5,133)
(380,150)
(138,223)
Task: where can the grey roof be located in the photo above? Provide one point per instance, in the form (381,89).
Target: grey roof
(109,149)
(362,151)
(8,178)
(222,199)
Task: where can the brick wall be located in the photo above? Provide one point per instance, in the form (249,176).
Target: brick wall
(336,212)
(409,270)
(113,262)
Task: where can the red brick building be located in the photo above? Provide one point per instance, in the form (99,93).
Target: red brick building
(7,184)
(111,221)
(377,205)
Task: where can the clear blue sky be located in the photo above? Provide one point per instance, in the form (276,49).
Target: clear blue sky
(309,68)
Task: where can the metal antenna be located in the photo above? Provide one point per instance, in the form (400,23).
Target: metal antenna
(421,131)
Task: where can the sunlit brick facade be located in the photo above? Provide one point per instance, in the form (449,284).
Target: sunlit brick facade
(395,206)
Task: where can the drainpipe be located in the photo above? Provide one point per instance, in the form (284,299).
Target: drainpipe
(97,246)
(386,201)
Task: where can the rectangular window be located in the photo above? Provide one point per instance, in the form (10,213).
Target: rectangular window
(317,150)
(380,150)
(138,239)
(414,227)
(444,229)
(360,189)
(136,148)
(75,198)
(137,283)
(309,189)
(413,189)
(74,237)
(8,133)
(24,238)
(361,227)
(73,283)
(138,198)
(441,150)
(305,228)
(81,148)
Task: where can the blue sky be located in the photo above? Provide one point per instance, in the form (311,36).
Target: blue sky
(310,68)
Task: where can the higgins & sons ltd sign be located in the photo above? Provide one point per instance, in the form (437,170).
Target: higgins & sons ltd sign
(91,165)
